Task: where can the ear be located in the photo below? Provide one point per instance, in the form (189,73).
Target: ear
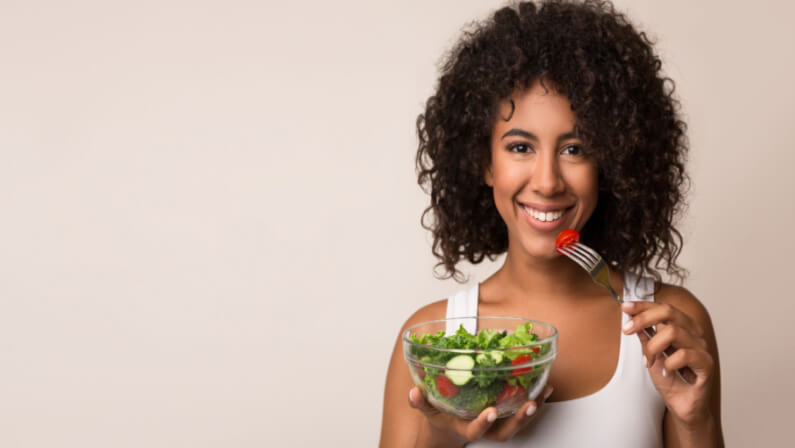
(488,176)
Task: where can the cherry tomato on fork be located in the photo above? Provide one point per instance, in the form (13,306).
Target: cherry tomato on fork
(566,237)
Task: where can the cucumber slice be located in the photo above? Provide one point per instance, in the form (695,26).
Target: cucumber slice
(459,369)
(496,355)
(481,358)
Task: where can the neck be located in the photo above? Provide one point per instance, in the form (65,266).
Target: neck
(552,279)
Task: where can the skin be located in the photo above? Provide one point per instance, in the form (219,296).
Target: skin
(536,159)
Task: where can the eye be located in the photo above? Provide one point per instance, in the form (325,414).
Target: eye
(521,148)
(572,150)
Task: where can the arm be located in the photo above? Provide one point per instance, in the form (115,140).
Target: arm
(692,417)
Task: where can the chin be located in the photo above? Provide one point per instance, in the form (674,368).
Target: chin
(541,250)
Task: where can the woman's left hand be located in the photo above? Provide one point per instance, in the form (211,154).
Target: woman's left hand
(690,403)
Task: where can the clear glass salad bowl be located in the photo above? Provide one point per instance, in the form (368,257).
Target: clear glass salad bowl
(504,364)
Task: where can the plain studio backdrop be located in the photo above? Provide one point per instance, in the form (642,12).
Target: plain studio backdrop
(209,217)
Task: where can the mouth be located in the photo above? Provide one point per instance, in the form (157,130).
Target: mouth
(548,215)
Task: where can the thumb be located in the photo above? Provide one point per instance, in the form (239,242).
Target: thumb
(417,401)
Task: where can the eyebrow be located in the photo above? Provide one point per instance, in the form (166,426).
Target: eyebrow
(531,136)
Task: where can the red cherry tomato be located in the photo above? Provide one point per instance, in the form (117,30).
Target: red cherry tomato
(508,392)
(446,387)
(521,360)
(566,237)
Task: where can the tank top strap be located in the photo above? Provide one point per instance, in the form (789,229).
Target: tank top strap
(637,288)
(462,305)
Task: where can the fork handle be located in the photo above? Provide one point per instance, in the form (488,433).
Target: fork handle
(686,374)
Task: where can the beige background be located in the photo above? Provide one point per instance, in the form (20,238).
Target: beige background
(209,222)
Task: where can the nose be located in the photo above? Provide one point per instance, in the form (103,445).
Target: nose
(547,178)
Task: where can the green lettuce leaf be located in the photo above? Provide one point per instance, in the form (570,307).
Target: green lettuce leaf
(522,336)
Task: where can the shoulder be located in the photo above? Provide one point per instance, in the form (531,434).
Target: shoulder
(683,300)
(432,311)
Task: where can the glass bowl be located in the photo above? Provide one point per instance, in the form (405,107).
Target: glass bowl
(464,381)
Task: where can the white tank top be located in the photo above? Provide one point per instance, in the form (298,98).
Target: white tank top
(627,412)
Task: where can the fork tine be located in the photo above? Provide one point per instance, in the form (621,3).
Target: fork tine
(576,260)
(586,252)
(589,250)
(576,257)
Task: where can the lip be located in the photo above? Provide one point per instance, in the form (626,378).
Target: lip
(544,226)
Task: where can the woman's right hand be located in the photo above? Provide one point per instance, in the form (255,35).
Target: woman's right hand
(418,424)
(454,431)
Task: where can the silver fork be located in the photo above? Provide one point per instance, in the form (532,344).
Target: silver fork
(592,262)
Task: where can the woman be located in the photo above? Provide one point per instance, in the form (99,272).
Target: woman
(549,117)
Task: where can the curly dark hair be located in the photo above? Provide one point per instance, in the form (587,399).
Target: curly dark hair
(626,115)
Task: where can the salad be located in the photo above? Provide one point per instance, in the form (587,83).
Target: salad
(494,373)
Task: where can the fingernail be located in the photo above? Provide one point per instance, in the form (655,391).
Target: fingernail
(628,306)
(531,410)
(664,372)
(547,393)
(627,325)
(645,361)
(411,399)
(491,417)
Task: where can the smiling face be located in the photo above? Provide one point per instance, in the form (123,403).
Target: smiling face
(542,180)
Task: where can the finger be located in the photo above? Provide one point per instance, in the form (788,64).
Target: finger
(507,428)
(477,428)
(669,339)
(417,401)
(547,392)
(472,430)
(643,341)
(700,362)
(657,364)
(648,314)
(653,362)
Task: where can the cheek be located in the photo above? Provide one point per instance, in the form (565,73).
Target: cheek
(584,182)
(507,174)
(507,183)
(590,186)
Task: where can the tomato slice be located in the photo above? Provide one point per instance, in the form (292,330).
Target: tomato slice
(521,360)
(508,392)
(446,387)
(566,237)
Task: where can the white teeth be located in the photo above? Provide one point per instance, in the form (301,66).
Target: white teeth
(544,216)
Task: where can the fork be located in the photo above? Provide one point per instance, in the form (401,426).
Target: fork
(592,262)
